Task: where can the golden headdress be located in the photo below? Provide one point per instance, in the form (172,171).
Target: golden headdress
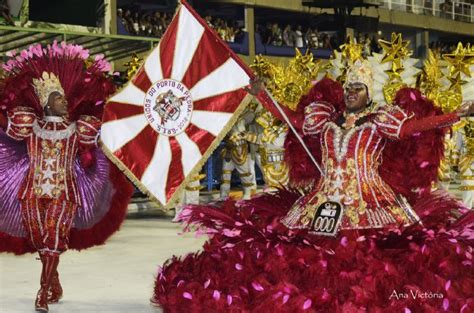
(44,86)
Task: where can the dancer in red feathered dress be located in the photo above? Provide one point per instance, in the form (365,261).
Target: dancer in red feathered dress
(369,237)
(49,200)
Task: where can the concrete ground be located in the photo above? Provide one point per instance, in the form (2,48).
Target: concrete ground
(114,278)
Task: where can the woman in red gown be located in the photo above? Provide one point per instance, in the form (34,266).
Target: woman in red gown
(370,236)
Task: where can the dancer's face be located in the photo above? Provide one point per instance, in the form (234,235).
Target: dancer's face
(355,96)
(57,104)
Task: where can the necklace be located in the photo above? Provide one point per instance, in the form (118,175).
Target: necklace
(352,118)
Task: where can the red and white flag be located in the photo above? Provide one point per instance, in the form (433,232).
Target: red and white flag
(165,123)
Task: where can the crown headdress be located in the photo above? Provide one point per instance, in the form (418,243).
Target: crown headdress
(44,86)
(361,72)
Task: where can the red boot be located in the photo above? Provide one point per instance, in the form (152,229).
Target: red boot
(55,289)
(50,264)
(55,292)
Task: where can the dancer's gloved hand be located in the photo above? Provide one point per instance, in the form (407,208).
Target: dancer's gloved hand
(256,85)
(466,109)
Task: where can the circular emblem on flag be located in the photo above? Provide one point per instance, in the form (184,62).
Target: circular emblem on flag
(168,107)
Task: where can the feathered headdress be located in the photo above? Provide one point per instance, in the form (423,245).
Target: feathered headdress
(34,73)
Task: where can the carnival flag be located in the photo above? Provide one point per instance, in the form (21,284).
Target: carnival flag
(163,125)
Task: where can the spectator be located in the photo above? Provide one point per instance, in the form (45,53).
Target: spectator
(299,43)
(266,34)
(327,42)
(277,37)
(374,44)
(289,36)
(312,38)
(367,46)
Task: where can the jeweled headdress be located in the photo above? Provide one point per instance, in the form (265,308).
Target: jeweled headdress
(46,85)
(361,72)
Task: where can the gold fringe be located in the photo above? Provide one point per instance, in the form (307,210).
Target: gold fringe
(196,169)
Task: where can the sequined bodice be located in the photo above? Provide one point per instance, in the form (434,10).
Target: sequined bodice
(52,148)
(52,144)
(351,160)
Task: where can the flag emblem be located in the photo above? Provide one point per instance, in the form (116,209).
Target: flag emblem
(168,107)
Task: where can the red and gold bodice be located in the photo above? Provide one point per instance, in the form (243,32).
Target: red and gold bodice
(351,160)
(52,144)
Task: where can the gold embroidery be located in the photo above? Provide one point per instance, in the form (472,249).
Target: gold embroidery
(398,212)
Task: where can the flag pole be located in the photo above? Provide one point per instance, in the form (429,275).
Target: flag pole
(251,74)
(287,120)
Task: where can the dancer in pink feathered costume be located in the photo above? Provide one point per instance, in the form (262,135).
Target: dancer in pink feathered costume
(398,247)
(57,189)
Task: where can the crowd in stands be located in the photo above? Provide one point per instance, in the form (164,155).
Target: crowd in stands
(441,47)
(144,23)
(311,37)
(154,23)
(273,34)
(229,31)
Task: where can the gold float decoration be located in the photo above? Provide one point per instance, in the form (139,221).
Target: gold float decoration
(468,158)
(133,65)
(396,51)
(429,82)
(272,127)
(460,60)
(351,51)
(288,84)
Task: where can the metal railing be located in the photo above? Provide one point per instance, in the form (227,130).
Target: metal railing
(455,10)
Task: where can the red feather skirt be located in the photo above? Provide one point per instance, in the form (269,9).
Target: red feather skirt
(252,263)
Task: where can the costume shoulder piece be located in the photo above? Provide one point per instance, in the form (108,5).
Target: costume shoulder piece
(389,121)
(20,122)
